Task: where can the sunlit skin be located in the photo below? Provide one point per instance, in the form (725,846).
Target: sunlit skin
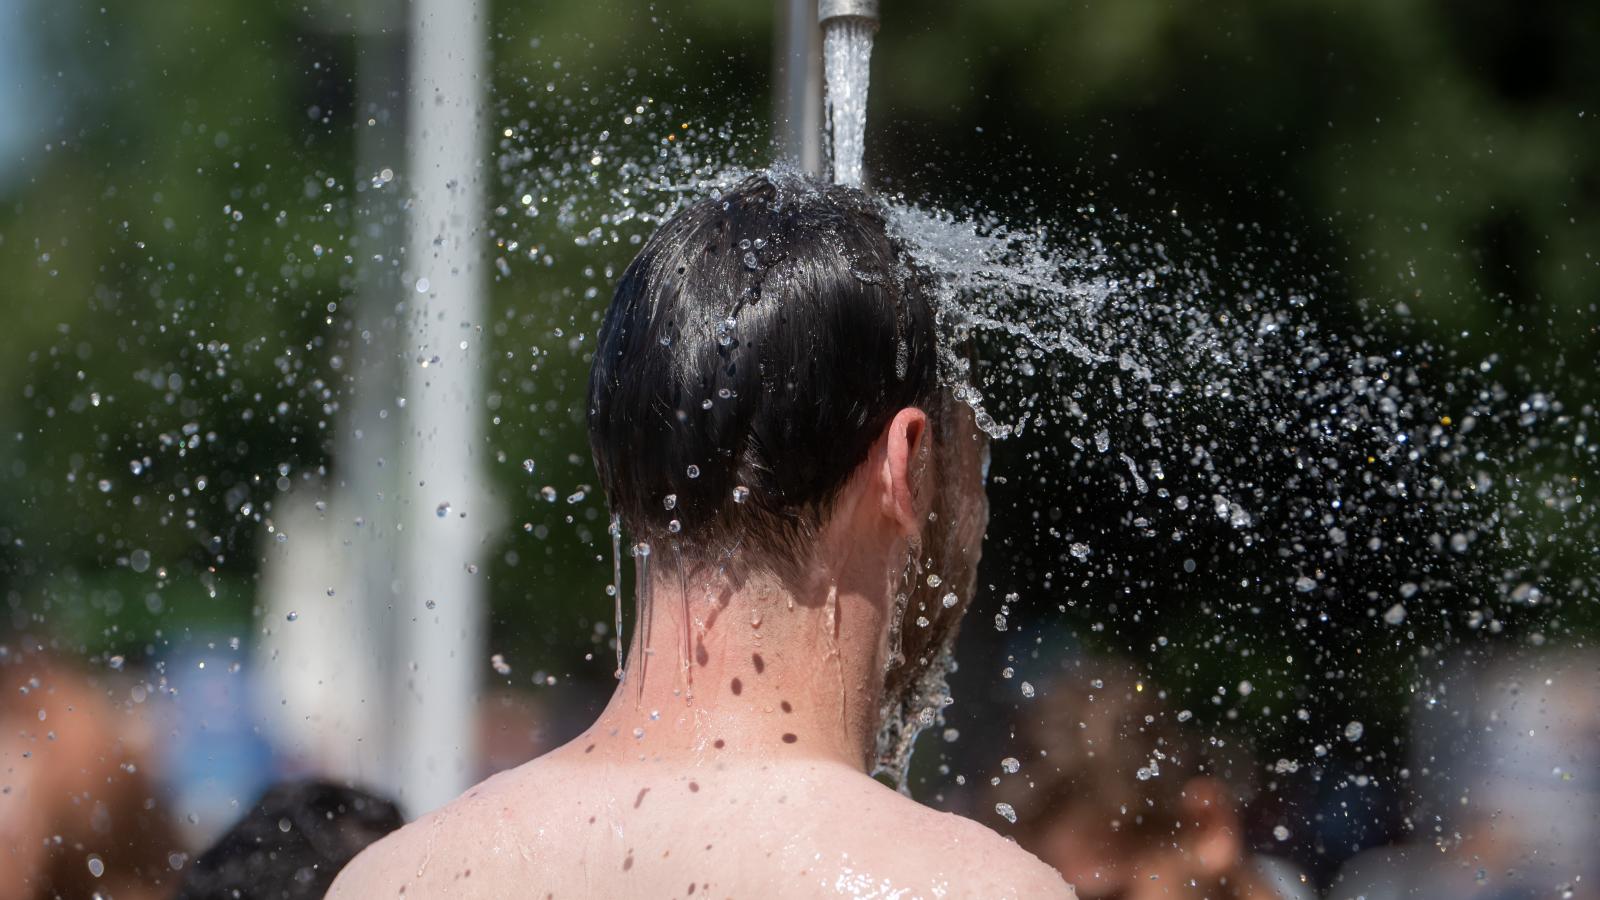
(731,761)
(1204,858)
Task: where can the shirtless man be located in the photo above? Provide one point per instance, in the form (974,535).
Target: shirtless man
(805,503)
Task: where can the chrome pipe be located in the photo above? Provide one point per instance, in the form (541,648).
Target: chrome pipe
(848,9)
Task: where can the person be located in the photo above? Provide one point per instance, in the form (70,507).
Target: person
(1106,783)
(1504,782)
(771,421)
(291,843)
(79,815)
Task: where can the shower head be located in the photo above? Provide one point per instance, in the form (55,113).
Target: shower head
(828,10)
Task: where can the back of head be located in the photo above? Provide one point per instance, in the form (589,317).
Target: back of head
(291,843)
(754,351)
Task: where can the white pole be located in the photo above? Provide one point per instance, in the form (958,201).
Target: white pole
(366,521)
(447,517)
(797,85)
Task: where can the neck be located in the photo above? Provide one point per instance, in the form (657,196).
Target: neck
(754,669)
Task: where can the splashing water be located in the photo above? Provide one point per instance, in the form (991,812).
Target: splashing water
(1196,433)
(641,606)
(847,57)
(615,530)
(1186,396)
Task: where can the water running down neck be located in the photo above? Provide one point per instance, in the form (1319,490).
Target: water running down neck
(766,668)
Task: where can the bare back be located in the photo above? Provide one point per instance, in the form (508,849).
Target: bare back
(575,824)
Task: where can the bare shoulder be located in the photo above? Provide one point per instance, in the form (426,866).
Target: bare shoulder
(430,856)
(991,865)
(374,872)
(964,857)
(398,862)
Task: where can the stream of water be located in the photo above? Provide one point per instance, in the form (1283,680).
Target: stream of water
(847,58)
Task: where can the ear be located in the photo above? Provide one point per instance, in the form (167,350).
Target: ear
(903,470)
(1214,845)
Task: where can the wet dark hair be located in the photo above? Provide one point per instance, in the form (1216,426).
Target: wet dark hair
(759,343)
(291,843)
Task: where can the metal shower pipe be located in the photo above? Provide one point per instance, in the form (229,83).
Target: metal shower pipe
(848,9)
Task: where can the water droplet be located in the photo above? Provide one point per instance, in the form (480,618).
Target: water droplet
(694,471)
(1006,812)
(423,285)
(501,667)
(674,526)
(1353,731)
(950,600)
(741,494)
(1011,765)
(97,867)
(1185,716)
(139,560)
(527,466)
(934,580)
(1280,832)
(1395,614)
(292,616)
(1027,689)
(670,501)
(1079,551)
(442,510)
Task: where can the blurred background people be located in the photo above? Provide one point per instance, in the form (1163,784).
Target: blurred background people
(79,816)
(291,843)
(1128,799)
(1506,774)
